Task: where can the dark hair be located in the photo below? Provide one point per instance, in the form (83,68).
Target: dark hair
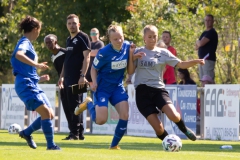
(168,33)
(28,24)
(210,15)
(70,16)
(185,72)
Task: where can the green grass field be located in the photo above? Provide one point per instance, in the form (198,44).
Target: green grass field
(96,147)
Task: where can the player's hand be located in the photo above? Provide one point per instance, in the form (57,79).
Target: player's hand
(139,55)
(94,86)
(60,82)
(44,77)
(201,61)
(81,82)
(43,66)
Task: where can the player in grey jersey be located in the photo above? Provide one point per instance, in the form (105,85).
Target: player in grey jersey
(151,96)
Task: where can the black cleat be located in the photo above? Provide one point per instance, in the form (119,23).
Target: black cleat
(81,137)
(29,140)
(190,134)
(71,137)
(54,148)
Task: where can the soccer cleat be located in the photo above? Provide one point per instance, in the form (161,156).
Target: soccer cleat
(190,134)
(29,140)
(54,148)
(71,137)
(83,106)
(81,137)
(115,148)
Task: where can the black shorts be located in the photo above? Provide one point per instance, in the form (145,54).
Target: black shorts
(88,75)
(150,100)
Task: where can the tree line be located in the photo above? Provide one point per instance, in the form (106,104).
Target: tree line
(184,18)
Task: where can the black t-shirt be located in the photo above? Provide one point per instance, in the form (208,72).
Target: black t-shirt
(94,45)
(97,45)
(58,60)
(74,57)
(209,47)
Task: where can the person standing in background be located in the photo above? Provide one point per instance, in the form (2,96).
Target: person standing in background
(58,56)
(96,44)
(74,72)
(207,46)
(169,74)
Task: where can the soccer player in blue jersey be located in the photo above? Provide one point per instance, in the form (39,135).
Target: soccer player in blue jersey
(24,61)
(107,76)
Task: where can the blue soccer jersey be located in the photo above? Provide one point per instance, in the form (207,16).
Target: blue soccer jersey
(111,64)
(22,68)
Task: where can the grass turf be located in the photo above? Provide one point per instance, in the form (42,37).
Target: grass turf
(95,147)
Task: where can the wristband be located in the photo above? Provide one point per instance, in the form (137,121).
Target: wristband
(82,75)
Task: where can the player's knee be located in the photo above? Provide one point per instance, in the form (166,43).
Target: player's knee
(100,121)
(124,116)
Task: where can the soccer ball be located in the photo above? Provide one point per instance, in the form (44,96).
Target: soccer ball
(14,128)
(172,143)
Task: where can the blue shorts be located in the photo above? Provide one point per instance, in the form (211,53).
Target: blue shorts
(114,93)
(30,93)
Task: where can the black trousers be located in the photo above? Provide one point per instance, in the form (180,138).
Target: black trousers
(70,102)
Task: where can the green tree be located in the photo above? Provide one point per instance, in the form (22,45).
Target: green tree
(187,25)
(53,14)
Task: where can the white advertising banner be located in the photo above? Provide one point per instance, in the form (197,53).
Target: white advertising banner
(50,91)
(221,117)
(12,108)
(63,120)
(137,124)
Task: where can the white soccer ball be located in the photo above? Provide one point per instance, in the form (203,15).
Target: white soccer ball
(172,143)
(14,128)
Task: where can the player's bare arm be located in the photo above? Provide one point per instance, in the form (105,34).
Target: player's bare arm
(94,79)
(82,80)
(20,55)
(187,64)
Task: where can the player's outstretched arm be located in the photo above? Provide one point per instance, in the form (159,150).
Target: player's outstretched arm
(187,64)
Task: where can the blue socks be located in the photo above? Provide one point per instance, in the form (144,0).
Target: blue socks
(91,109)
(119,132)
(36,125)
(47,128)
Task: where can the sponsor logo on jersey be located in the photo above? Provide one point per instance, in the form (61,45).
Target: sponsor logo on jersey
(75,40)
(69,48)
(114,58)
(102,99)
(119,64)
(147,63)
(96,61)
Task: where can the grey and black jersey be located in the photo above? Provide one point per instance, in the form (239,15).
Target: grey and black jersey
(150,69)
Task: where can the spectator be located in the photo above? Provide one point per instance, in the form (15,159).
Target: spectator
(206,79)
(74,71)
(96,44)
(207,46)
(169,74)
(184,76)
(58,56)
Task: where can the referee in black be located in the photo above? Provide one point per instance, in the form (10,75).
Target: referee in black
(74,71)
